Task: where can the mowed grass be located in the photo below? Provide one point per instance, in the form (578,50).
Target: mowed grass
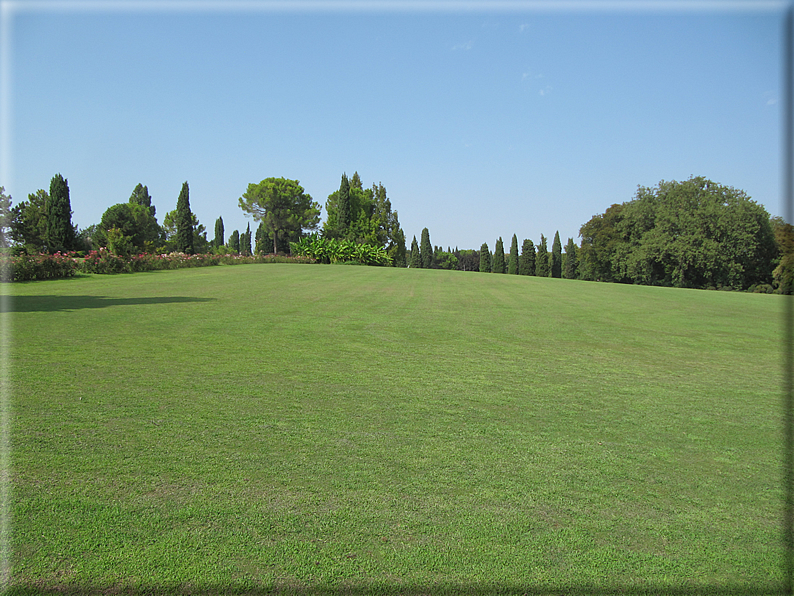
(352,430)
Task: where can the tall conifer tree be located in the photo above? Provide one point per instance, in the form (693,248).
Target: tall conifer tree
(556,256)
(140,195)
(542,259)
(426,250)
(184,222)
(261,239)
(149,233)
(59,234)
(416,258)
(220,236)
(498,265)
(234,242)
(512,263)
(344,206)
(570,270)
(397,250)
(526,263)
(485,259)
(218,240)
(245,241)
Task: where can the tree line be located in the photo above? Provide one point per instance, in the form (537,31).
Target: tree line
(695,234)
(532,260)
(282,208)
(690,234)
(43,224)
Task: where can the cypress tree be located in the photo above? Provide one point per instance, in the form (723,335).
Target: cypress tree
(426,250)
(344,206)
(355,181)
(498,265)
(542,259)
(556,256)
(59,233)
(234,242)
(184,222)
(485,259)
(397,250)
(140,195)
(261,239)
(526,263)
(416,259)
(148,233)
(512,263)
(245,241)
(218,240)
(571,264)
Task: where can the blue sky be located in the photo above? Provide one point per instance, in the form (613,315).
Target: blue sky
(480,123)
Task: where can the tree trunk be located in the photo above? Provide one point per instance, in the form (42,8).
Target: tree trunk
(275,247)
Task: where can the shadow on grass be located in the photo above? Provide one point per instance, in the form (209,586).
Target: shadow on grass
(405,590)
(60,303)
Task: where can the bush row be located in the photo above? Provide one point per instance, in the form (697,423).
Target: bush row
(35,267)
(332,250)
(30,267)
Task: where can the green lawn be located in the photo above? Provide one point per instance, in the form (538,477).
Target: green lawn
(331,429)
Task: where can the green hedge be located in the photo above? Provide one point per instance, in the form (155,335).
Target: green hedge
(35,267)
(103,261)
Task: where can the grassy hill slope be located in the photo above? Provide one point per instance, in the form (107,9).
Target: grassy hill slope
(351,429)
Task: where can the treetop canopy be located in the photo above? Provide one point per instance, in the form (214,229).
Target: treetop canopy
(282,206)
(695,233)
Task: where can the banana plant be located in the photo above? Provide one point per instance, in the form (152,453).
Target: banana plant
(331,250)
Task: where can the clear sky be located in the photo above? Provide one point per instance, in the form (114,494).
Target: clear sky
(479,122)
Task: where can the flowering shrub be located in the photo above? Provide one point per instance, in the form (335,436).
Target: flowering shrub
(35,267)
(32,267)
(103,261)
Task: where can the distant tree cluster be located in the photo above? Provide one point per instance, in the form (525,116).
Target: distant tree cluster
(693,234)
(43,224)
(528,262)
(364,216)
(283,210)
